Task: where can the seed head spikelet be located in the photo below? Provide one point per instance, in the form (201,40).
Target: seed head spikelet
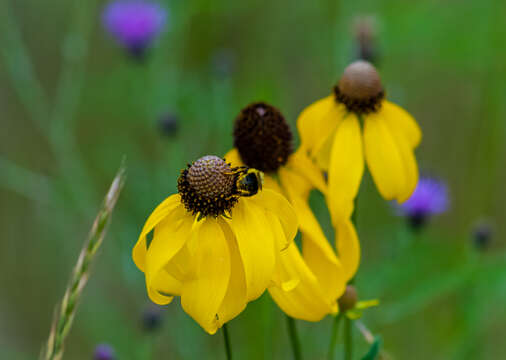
(65,313)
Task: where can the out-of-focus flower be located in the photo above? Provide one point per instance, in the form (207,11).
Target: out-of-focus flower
(365,31)
(263,140)
(168,124)
(134,24)
(429,198)
(152,317)
(357,123)
(215,243)
(351,306)
(482,234)
(104,352)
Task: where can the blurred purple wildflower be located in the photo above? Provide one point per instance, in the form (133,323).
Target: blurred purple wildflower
(104,352)
(134,24)
(429,198)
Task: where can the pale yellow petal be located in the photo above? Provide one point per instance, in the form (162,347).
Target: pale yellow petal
(346,168)
(169,237)
(300,163)
(316,121)
(401,122)
(348,247)
(235,298)
(256,244)
(305,301)
(161,211)
(390,160)
(202,296)
(275,204)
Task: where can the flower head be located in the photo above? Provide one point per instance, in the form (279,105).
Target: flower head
(152,317)
(134,24)
(215,243)
(429,198)
(263,140)
(354,125)
(482,234)
(104,352)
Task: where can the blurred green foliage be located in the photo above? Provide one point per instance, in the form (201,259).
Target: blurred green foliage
(64,135)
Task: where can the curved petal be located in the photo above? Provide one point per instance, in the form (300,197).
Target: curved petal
(168,239)
(316,121)
(390,161)
(161,211)
(233,158)
(202,296)
(306,300)
(303,166)
(163,288)
(279,206)
(348,247)
(235,298)
(401,122)
(346,168)
(256,244)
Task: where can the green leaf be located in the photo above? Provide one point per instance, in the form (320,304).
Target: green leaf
(373,350)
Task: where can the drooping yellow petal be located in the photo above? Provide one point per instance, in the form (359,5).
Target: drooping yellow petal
(163,288)
(256,244)
(401,122)
(346,168)
(161,211)
(202,296)
(235,298)
(276,204)
(306,300)
(317,121)
(348,247)
(169,237)
(390,160)
(303,166)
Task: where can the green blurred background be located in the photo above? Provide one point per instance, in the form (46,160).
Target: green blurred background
(63,137)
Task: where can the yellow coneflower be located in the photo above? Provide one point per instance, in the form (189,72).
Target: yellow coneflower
(263,140)
(216,242)
(330,131)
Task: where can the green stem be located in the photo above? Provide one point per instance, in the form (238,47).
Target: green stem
(333,337)
(348,339)
(294,339)
(228,347)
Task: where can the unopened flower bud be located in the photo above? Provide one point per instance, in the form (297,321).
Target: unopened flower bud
(349,299)
(482,235)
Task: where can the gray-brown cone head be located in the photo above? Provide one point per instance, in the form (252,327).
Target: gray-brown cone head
(208,186)
(360,88)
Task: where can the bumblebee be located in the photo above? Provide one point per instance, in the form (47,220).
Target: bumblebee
(248,181)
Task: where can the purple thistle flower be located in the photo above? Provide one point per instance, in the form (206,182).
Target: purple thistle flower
(429,198)
(104,352)
(134,24)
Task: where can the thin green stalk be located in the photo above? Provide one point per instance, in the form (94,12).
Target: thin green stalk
(294,338)
(348,339)
(65,313)
(228,347)
(333,337)
(20,69)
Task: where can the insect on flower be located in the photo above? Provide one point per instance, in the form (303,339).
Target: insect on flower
(216,243)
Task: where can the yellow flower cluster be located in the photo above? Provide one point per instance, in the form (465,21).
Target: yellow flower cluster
(228,235)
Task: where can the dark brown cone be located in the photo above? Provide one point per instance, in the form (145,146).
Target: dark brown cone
(262,137)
